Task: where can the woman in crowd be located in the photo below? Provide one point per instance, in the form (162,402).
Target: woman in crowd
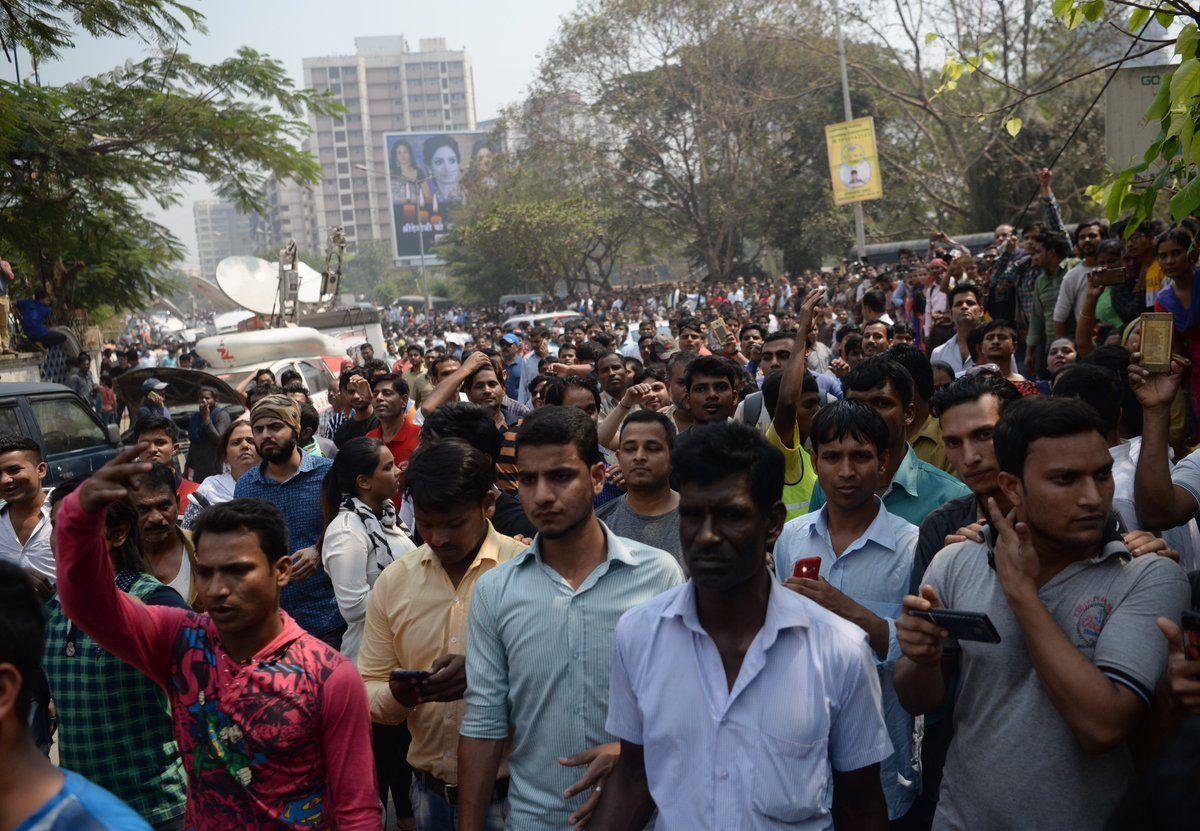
(1177,257)
(238,454)
(363,535)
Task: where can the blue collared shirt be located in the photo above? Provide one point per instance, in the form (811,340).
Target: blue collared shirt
(873,571)
(310,602)
(538,660)
(761,755)
(916,490)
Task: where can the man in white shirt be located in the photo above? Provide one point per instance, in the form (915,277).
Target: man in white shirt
(25,515)
(1088,236)
(966,310)
(738,703)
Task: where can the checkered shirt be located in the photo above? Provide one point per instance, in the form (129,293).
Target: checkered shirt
(114,723)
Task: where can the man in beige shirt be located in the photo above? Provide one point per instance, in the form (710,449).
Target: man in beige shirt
(413,649)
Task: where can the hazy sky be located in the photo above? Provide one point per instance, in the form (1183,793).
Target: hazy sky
(504,40)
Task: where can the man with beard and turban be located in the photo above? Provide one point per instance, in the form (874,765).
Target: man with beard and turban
(291,481)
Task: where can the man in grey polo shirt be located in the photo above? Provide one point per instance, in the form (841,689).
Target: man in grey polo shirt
(1041,719)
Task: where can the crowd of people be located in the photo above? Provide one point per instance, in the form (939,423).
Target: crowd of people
(909,546)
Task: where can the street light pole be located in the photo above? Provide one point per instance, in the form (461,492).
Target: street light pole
(859,234)
(421,247)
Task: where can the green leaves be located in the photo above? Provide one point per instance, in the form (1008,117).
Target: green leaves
(1185,83)
(45,28)
(1013,126)
(1186,200)
(1185,44)
(75,161)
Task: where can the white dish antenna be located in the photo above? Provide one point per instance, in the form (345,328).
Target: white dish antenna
(254,284)
(228,321)
(250,282)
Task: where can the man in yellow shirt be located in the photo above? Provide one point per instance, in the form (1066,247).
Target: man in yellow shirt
(412,657)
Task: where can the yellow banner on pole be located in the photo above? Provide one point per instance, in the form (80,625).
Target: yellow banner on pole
(853,162)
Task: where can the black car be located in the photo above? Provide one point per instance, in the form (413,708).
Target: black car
(73,438)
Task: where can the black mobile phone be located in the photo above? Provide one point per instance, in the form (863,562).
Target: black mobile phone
(409,675)
(1191,635)
(965,626)
(1108,276)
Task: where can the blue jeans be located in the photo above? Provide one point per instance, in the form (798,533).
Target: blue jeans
(433,813)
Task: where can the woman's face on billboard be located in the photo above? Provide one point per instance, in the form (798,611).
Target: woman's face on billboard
(444,166)
(402,160)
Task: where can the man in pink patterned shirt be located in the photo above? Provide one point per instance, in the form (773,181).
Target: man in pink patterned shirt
(272,724)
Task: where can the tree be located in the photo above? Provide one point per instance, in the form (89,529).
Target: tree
(953,76)
(75,159)
(1169,166)
(534,244)
(44,28)
(680,105)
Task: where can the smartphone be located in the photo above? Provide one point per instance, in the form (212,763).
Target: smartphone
(965,626)
(808,568)
(1191,635)
(1108,276)
(718,333)
(408,675)
(1158,329)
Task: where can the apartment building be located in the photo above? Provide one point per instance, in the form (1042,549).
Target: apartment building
(223,231)
(385,88)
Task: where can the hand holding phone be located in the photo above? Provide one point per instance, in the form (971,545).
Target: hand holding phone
(807,568)
(1190,624)
(405,685)
(963,626)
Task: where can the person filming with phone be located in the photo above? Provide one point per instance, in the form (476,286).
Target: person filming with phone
(860,558)
(1056,635)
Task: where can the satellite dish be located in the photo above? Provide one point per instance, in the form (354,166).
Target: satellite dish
(254,284)
(228,321)
(310,283)
(250,282)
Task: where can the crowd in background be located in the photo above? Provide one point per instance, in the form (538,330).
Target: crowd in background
(908,545)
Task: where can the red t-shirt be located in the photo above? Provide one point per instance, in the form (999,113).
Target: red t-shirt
(186,488)
(402,444)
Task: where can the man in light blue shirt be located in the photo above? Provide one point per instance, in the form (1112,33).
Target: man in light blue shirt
(866,559)
(910,488)
(740,705)
(540,635)
(539,348)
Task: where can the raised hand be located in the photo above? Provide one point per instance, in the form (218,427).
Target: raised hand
(1155,389)
(113,481)
(634,395)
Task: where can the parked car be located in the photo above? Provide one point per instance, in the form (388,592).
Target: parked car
(181,397)
(74,440)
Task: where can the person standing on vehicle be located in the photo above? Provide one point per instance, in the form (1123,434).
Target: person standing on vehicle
(6,281)
(205,428)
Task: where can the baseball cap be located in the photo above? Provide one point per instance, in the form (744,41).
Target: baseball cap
(153,385)
(664,345)
(511,338)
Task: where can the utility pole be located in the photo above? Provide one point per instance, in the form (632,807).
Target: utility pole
(859,233)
